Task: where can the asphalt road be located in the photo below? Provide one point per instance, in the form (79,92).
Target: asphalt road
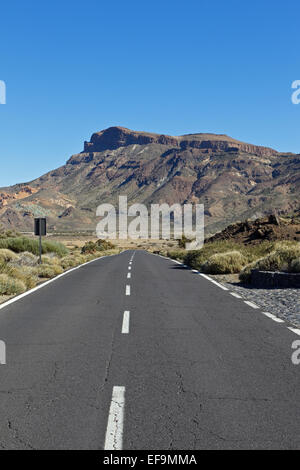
(189,367)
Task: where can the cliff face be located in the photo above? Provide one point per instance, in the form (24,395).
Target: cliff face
(233,179)
(115,137)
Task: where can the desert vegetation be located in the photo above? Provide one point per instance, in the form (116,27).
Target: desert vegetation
(229,257)
(19,262)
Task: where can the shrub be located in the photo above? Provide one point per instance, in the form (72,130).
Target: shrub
(176,254)
(21,244)
(68,262)
(10,286)
(280,259)
(25,274)
(224,263)
(285,257)
(245,274)
(47,259)
(99,245)
(48,271)
(7,255)
(295,266)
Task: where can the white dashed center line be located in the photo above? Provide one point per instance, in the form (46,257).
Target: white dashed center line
(128,275)
(125,326)
(127,290)
(115,424)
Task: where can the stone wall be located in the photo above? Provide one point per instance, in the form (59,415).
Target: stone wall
(266,279)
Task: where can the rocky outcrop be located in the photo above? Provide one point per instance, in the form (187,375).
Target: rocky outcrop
(271,228)
(22,193)
(115,137)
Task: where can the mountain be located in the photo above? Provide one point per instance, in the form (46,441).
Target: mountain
(235,180)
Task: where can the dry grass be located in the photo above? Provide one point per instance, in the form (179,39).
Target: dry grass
(224,263)
(11,286)
(7,255)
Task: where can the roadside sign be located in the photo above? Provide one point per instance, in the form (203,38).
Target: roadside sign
(40,227)
(40,230)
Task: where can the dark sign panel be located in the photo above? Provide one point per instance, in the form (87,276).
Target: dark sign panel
(40,227)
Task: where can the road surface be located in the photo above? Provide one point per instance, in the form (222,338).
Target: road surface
(151,357)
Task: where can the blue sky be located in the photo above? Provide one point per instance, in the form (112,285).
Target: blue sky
(73,68)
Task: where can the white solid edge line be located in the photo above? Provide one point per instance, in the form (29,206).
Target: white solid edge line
(115,423)
(128,275)
(31,291)
(294,330)
(125,326)
(127,290)
(236,295)
(251,304)
(213,281)
(273,317)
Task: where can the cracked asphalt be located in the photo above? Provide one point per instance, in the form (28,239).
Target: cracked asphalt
(202,370)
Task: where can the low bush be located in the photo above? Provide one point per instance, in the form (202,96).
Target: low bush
(176,254)
(11,286)
(285,257)
(48,271)
(7,255)
(69,262)
(47,259)
(224,263)
(25,274)
(21,244)
(295,266)
(99,245)
(280,259)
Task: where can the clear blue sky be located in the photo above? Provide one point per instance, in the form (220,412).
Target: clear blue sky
(75,67)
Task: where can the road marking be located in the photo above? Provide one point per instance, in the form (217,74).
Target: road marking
(251,304)
(115,424)
(31,291)
(129,267)
(130,263)
(273,317)
(127,290)
(236,295)
(125,326)
(128,275)
(213,281)
(294,330)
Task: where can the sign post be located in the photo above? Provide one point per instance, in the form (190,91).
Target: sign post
(40,230)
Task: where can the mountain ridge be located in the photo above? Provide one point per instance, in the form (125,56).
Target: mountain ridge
(234,180)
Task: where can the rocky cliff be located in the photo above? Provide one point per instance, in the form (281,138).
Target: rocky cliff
(235,180)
